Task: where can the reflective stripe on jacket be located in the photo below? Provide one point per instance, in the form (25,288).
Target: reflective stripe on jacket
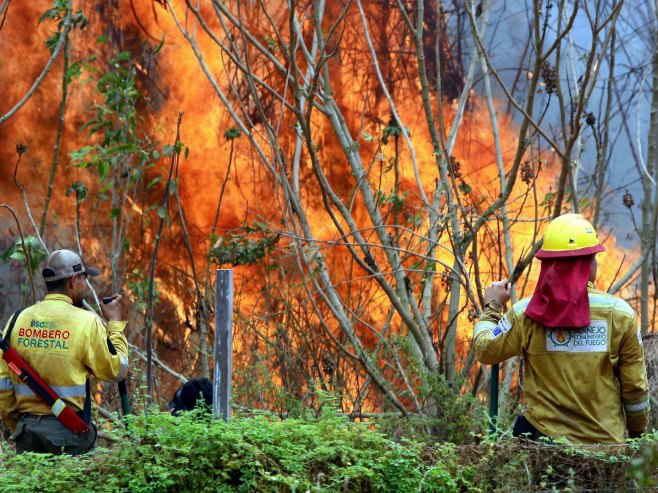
(64,345)
(586,385)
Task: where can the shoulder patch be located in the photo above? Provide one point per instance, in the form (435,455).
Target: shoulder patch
(502,328)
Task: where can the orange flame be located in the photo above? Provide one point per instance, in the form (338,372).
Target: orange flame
(176,75)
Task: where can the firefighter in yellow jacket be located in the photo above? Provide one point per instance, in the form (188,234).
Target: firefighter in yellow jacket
(585,376)
(64,344)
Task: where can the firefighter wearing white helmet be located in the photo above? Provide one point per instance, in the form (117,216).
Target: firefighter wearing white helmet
(585,377)
(65,345)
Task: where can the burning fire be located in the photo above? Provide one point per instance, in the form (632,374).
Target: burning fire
(268,302)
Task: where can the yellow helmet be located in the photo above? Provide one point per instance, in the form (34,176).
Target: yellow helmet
(570,235)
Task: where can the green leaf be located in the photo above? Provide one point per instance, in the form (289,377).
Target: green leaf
(367,137)
(103,169)
(52,41)
(162,212)
(49,14)
(17,255)
(124,56)
(80,154)
(74,71)
(159,47)
(123,148)
(232,133)
(187,153)
(115,212)
(167,150)
(79,20)
(465,188)
(79,189)
(154,182)
(143,156)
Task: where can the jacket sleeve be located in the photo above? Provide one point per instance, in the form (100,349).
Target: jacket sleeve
(633,380)
(8,407)
(107,352)
(497,338)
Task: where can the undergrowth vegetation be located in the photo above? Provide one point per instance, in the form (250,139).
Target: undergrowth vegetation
(157,452)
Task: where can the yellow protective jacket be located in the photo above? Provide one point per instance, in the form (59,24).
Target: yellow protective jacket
(64,345)
(585,385)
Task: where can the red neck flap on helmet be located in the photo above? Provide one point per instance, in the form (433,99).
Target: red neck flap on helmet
(560,298)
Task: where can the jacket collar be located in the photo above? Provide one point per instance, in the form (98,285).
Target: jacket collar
(58,297)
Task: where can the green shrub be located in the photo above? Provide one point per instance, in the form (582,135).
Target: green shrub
(262,453)
(191,453)
(451,416)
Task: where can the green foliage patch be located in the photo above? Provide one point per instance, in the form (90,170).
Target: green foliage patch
(240,248)
(194,452)
(162,453)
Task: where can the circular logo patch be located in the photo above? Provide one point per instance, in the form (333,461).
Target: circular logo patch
(560,337)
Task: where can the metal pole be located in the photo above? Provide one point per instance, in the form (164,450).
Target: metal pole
(223,342)
(493,400)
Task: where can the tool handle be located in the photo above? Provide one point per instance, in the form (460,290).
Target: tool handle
(125,398)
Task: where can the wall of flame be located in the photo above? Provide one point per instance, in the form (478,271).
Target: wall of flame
(173,82)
